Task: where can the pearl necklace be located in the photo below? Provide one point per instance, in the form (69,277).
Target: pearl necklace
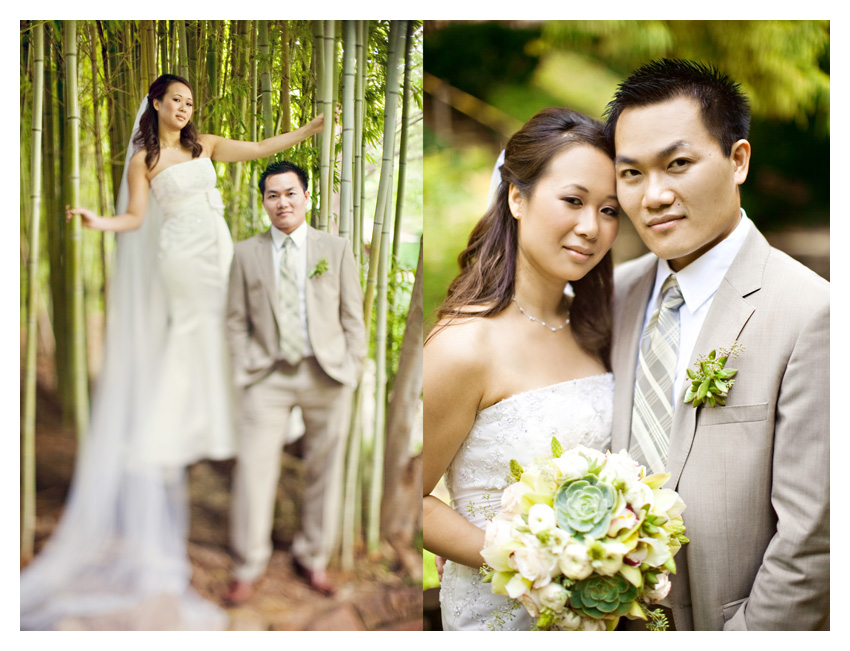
(536,320)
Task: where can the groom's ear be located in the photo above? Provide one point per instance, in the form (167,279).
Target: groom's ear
(515,201)
(741,152)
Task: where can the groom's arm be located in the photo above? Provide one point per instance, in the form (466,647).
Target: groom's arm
(237,322)
(351,309)
(791,589)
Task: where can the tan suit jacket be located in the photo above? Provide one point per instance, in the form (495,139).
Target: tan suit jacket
(754,475)
(334,309)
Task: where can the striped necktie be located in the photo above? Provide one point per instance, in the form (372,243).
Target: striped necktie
(291,341)
(652,413)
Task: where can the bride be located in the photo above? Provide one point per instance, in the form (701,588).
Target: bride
(514,358)
(118,558)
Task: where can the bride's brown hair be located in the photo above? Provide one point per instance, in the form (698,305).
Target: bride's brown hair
(485,285)
(148,134)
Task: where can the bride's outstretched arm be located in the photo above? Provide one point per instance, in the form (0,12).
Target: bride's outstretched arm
(232,151)
(139,188)
(452,382)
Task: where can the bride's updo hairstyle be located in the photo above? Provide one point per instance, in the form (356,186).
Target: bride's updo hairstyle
(148,134)
(485,285)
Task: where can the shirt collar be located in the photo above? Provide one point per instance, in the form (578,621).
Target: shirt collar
(299,236)
(701,279)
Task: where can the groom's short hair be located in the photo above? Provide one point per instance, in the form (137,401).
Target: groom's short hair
(724,107)
(282,167)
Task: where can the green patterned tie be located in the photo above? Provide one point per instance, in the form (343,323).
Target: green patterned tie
(652,413)
(291,342)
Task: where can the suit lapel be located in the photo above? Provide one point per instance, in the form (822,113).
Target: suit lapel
(266,271)
(625,351)
(315,252)
(723,324)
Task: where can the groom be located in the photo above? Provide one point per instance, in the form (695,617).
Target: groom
(754,473)
(296,333)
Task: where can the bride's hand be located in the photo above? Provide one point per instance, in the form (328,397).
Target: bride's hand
(87,217)
(440,562)
(317,124)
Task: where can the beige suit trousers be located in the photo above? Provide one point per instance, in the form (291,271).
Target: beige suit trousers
(265,409)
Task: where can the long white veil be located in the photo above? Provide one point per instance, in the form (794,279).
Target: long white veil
(117,559)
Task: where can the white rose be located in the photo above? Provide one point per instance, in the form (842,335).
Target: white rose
(568,620)
(541,517)
(660,590)
(574,562)
(620,468)
(512,497)
(572,465)
(590,624)
(534,564)
(498,530)
(553,596)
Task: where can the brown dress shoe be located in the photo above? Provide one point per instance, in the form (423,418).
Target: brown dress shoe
(239,592)
(318,579)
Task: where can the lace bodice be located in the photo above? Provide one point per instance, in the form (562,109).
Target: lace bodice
(520,427)
(186,182)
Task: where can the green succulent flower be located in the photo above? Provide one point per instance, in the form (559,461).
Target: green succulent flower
(584,507)
(603,596)
(711,381)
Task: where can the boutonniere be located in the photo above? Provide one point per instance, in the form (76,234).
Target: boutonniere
(319,269)
(712,380)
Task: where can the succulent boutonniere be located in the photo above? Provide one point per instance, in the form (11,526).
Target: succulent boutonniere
(320,268)
(712,380)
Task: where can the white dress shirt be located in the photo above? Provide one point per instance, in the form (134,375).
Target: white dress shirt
(699,282)
(299,239)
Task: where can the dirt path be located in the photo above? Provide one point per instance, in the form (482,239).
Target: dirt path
(377,595)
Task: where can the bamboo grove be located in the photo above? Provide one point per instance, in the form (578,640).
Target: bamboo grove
(81,83)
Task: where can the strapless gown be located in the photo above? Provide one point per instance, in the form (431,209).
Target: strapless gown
(192,414)
(520,427)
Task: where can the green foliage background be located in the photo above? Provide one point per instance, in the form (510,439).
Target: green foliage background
(518,69)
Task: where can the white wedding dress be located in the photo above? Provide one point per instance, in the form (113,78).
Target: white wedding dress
(520,427)
(118,559)
(191,417)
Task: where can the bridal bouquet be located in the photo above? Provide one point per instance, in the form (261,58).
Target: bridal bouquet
(584,538)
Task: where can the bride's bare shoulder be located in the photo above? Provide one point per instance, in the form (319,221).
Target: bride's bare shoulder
(464,340)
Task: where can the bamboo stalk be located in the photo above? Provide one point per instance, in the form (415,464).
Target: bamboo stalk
(98,153)
(328,66)
(265,78)
(74,240)
(346,210)
(184,49)
(376,485)
(384,186)
(28,513)
(402,152)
